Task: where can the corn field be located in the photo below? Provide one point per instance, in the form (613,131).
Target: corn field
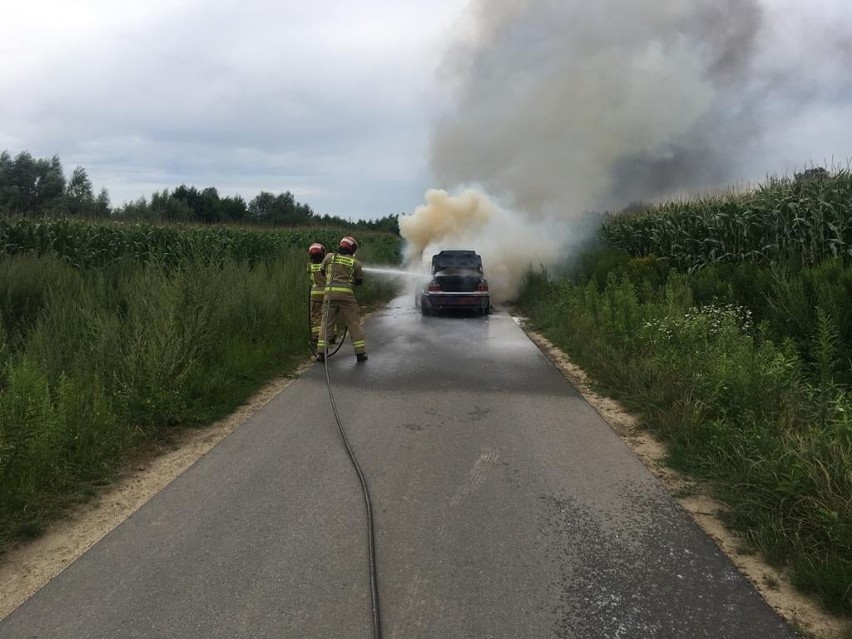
(98,245)
(802,220)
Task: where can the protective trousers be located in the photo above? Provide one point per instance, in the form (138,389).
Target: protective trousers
(349,314)
(316,318)
(316,321)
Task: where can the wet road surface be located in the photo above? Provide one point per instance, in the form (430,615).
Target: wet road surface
(504,507)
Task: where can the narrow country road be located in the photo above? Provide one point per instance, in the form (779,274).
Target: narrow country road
(504,507)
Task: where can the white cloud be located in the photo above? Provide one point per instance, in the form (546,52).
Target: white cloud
(312,97)
(334,99)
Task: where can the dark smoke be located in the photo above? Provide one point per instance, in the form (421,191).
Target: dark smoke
(729,30)
(563,106)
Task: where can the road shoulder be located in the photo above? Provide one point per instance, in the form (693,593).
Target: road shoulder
(802,613)
(27,567)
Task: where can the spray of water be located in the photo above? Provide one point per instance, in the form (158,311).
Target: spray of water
(392,272)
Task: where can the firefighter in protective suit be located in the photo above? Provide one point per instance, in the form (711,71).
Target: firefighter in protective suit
(342,273)
(316,253)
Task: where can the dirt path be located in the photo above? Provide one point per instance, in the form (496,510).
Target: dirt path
(25,569)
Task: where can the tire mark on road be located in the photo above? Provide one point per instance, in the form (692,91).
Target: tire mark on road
(411,613)
(487,458)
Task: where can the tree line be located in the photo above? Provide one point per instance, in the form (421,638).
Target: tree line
(30,186)
(38,187)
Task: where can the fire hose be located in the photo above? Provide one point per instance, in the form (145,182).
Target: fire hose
(340,338)
(371,535)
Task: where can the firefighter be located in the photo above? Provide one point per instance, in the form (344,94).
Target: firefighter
(316,253)
(342,273)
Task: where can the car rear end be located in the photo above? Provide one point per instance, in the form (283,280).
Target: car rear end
(457,284)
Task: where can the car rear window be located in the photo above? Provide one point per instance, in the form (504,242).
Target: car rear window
(456,259)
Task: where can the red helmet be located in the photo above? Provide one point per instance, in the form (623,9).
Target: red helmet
(348,245)
(316,249)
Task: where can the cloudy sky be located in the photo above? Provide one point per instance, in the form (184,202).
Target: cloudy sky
(330,99)
(359,106)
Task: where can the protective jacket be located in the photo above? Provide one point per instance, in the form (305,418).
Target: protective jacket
(317,275)
(342,274)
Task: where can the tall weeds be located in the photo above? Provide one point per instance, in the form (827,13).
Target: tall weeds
(94,362)
(768,427)
(742,359)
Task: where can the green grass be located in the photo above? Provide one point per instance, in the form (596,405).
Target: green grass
(98,361)
(768,430)
(742,359)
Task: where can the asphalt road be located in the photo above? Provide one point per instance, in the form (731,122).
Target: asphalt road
(505,507)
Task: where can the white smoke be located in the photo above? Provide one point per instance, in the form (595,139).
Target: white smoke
(562,106)
(508,243)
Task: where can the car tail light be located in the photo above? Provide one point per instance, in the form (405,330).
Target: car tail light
(482,287)
(433,287)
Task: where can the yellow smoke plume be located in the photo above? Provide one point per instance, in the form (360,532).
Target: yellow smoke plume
(508,242)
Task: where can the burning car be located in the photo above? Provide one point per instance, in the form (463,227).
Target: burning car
(457,283)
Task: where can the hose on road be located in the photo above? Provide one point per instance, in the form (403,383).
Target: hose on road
(371,534)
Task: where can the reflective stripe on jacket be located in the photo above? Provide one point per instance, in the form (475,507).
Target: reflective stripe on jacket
(317,280)
(341,274)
